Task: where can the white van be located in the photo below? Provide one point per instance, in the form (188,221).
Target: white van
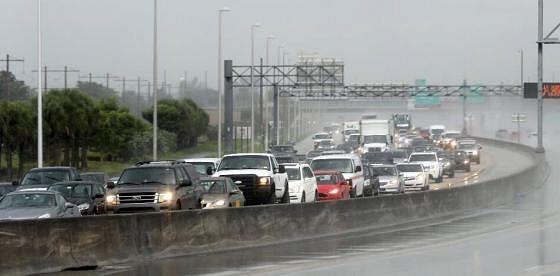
(349,165)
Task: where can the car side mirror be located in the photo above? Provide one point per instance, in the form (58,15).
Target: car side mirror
(358,169)
(349,182)
(185,182)
(479,147)
(268,151)
(99,196)
(209,170)
(295,151)
(69,205)
(281,169)
(110,185)
(15,183)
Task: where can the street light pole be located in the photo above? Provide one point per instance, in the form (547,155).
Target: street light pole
(220,77)
(266,119)
(155,83)
(39,91)
(253,86)
(540,147)
(522,79)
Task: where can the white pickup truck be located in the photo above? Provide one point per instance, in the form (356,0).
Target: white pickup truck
(431,163)
(258,175)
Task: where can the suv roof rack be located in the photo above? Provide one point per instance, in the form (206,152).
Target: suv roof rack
(170,162)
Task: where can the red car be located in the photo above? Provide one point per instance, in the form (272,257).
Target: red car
(332,185)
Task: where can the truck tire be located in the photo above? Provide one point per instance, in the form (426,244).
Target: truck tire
(272,197)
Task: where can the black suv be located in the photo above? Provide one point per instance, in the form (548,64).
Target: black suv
(155,186)
(42,178)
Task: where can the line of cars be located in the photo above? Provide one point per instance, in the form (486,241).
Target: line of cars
(415,156)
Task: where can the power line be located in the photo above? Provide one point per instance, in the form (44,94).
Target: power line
(65,71)
(7,60)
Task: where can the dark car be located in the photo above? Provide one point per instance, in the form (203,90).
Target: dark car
(448,162)
(284,152)
(371,182)
(42,178)
(6,188)
(89,196)
(155,186)
(462,161)
(378,157)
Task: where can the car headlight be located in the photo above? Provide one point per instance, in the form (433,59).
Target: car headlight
(447,164)
(111,199)
(83,206)
(466,161)
(220,202)
(263,181)
(475,152)
(334,191)
(45,216)
(164,197)
(294,189)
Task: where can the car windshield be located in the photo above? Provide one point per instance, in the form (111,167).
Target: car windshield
(322,136)
(201,167)
(354,138)
(376,156)
(293,174)
(384,171)
(72,190)
(93,177)
(242,162)
(452,135)
(325,143)
(218,187)
(399,154)
(45,177)
(351,131)
(437,131)
(409,168)
(342,165)
(282,148)
(326,179)
(422,157)
(147,175)
(39,200)
(466,146)
(375,139)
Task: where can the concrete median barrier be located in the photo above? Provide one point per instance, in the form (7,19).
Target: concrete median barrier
(56,244)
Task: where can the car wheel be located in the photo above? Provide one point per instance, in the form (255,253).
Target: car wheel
(316,196)
(272,197)
(286,196)
(178,205)
(303,197)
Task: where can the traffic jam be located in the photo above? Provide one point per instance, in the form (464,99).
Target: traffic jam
(354,159)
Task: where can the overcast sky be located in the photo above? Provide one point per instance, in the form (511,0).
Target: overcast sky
(443,41)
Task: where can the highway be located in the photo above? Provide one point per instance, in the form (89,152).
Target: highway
(513,239)
(395,250)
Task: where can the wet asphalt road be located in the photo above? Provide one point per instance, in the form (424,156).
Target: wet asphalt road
(516,239)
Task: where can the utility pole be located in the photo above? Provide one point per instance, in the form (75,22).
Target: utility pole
(65,70)
(7,60)
(107,77)
(206,80)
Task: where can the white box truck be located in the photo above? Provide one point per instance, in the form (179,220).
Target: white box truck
(376,135)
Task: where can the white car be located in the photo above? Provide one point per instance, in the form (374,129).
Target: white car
(302,183)
(350,165)
(204,166)
(415,177)
(431,163)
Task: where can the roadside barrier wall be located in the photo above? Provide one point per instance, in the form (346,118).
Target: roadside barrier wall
(56,244)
